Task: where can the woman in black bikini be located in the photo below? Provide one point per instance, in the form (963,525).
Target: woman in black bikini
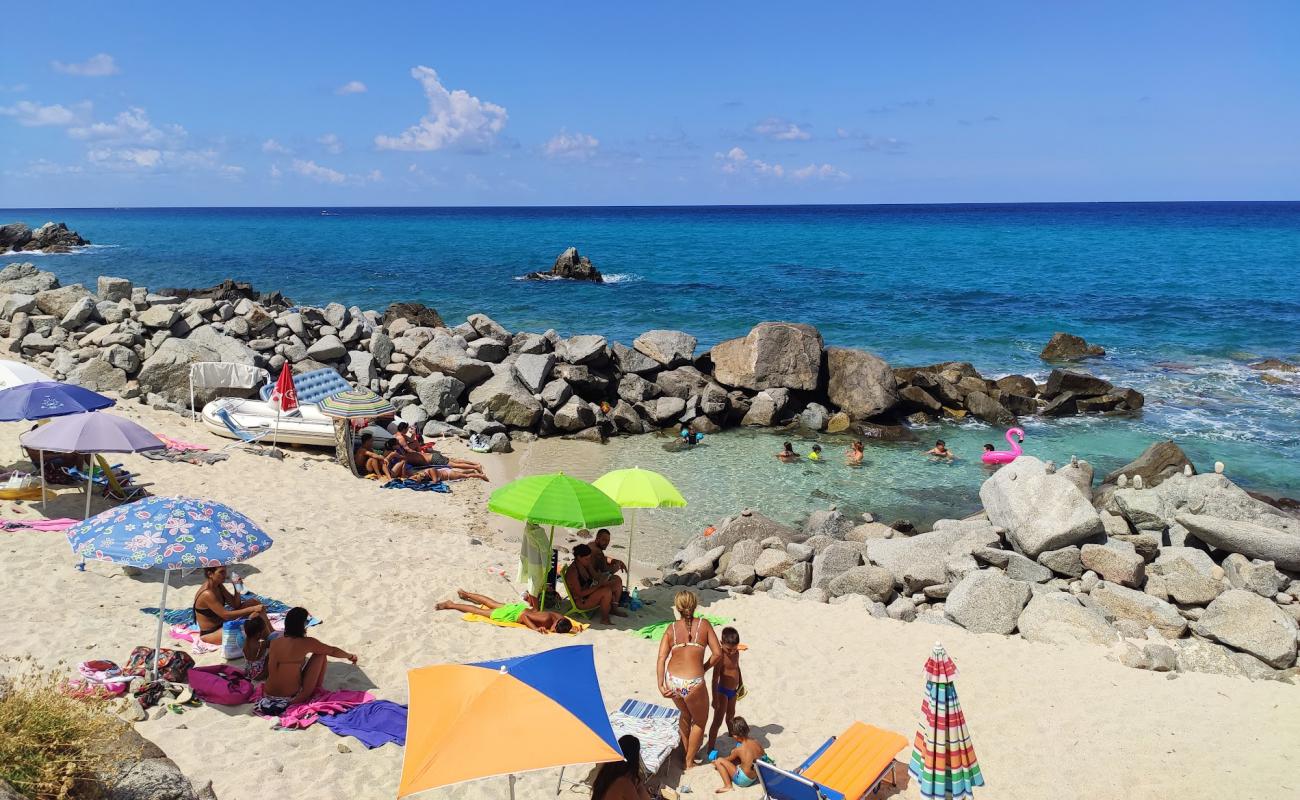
(214,605)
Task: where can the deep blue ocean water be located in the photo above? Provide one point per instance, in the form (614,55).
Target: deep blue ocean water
(1182,295)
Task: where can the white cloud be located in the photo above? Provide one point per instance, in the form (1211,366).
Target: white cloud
(781,130)
(43,168)
(737,162)
(275,172)
(579,146)
(97,66)
(19,87)
(131,126)
(455,119)
(824,172)
(331,143)
(34,115)
(351,87)
(272,146)
(125,157)
(374,176)
(310,169)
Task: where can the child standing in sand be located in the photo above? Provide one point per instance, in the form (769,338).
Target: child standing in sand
(727,683)
(738,769)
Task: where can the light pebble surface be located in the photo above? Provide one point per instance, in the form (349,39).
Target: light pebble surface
(1047,721)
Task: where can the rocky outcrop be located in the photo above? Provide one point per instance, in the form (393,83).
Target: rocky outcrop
(860,383)
(569,266)
(230,291)
(986,601)
(1252,540)
(774,355)
(1040,511)
(1159,461)
(1068,347)
(1059,618)
(1245,621)
(52,237)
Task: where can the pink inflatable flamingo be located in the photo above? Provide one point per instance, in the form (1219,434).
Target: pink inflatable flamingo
(1003,456)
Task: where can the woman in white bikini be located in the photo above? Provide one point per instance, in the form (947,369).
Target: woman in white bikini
(681,668)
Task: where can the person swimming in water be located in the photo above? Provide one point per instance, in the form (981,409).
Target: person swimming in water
(816,453)
(854,455)
(787,454)
(940,451)
(988,448)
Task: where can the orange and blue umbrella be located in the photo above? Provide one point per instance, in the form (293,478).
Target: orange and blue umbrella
(471,721)
(943,757)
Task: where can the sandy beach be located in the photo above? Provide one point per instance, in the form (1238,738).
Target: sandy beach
(1046,720)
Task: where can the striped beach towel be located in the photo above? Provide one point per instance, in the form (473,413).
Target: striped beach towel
(654,725)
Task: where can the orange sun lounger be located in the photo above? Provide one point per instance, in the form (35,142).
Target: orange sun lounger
(849,766)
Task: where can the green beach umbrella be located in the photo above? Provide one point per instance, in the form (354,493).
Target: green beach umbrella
(555,499)
(638,488)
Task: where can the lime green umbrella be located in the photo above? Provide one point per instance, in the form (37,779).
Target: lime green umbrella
(555,499)
(638,488)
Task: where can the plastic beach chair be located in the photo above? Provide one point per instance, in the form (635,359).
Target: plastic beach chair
(245,436)
(115,482)
(850,766)
(655,726)
(573,607)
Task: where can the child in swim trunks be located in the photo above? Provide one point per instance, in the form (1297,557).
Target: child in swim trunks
(738,769)
(520,613)
(727,683)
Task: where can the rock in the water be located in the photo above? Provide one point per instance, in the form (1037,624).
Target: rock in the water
(1068,347)
(1245,621)
(860,383)
(1116,564)
(985,408)
(1156,463)
(417,314)
(1119,603)
(1080,384)
(668,348)
(1039,511)
(1058,618)
(569,266)
(773,355)
(986,601)
(1248,539)
(767,408)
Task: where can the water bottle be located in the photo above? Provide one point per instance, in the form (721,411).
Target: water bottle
(237,582)
(232,639)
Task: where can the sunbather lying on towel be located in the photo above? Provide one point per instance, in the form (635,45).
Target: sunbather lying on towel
(408,442)
(214,605)
(540,621)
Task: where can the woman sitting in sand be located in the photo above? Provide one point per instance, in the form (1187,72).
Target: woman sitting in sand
(622,780)
(295,666)
(540,621)
(214,605)
(592,590)
(680,669)
(368,460)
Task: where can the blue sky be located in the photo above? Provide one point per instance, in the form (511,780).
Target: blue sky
(331,103)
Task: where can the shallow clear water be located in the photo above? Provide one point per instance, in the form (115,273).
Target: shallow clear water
(1182,295)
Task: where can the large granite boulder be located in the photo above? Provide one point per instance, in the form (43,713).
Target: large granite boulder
(860,383)
(1039,511)
(327,348)
(25,278)
(1156,463)
(1079,384)
(1115,563)
(439,394)
(877,583)
(581,349)
(1119,603)
(569,266)
(58,302)
(445,354)
(1282,547)
(986,601)
(167,371)
(833,561)
(1260,577)
(668,348)
(773,355)
(533,370)
(54,237)
(920,561)
(986,409)
(417,314)
(767,408)
(98,375)
(1245,621)
(14,236)
(1058,618)
(227,348)
(504,399)
(1068,347)
(573,416)
(1184,583)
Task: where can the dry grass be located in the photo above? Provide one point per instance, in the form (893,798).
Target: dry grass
(52,746)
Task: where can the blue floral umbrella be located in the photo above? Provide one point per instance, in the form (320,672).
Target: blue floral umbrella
(168,533)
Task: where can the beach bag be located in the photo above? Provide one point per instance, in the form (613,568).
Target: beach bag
(173,665)
(221,684)
(232,639)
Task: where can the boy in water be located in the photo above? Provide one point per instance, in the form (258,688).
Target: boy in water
(816,454)
(940,451)
(540,621)
(727,681)
(738,769)
(787,454)
(988,448)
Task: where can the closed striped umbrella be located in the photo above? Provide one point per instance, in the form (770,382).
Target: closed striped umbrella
(943,757)
(356,403)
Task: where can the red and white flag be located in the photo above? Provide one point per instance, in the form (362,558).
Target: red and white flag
(285,397)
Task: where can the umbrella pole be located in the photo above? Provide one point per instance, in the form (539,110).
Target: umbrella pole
(631,533)
(541,606)
(275,437)
(43,498)
(90,482)
(512,786)
(162,613)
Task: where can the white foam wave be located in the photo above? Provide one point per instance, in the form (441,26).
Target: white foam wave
(622,277)
(76,251)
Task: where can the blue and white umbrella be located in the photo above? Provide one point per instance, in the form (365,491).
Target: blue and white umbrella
(44,399)
(168,533)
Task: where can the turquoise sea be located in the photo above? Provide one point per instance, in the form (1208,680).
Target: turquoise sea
(1182,296)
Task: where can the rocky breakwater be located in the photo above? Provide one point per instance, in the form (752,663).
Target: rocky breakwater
(52,237)
(1169,569)
(478,377)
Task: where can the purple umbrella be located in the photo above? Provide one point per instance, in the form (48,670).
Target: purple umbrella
(89,433)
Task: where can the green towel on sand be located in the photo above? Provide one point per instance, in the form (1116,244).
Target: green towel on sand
(656,631)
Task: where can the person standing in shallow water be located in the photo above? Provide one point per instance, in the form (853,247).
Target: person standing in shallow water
(854,455)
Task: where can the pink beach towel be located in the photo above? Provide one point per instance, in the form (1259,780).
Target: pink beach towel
(304,715)
(178,445)
(61,524)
